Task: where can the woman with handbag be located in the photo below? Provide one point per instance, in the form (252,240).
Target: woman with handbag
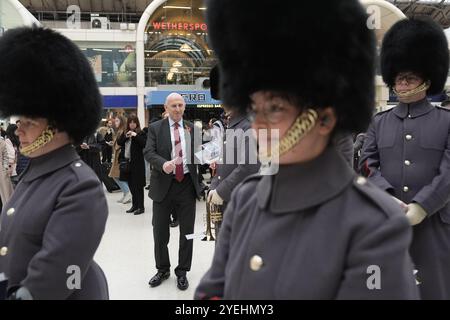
(120,124)
(133,166)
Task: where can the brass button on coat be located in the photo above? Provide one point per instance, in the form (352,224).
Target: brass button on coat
(361,181)
(3,251)
(10,211)
(256,262)
(405,189)
(407,162)
(408,137)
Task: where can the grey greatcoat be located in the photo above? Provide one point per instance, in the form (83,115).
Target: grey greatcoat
(53,225)
(312,231)
(229,175)
(407,151)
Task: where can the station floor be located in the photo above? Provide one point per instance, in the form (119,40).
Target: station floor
(126,254)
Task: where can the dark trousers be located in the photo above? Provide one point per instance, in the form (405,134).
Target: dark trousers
(107,154)
(137,193)
(180,199)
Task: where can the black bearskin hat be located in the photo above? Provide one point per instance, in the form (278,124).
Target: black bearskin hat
(283,46)
(214,82)
(44,74)
(417,46)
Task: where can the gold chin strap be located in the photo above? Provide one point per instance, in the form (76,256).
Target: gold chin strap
(45,137)
(423,87)
(302,125)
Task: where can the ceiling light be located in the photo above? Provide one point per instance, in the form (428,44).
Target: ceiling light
(185,48)
(177,64)
(176,7)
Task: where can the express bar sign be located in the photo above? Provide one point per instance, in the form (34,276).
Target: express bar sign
(179,26)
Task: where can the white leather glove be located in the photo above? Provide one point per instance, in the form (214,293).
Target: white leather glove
(214,198)
(403,205)
(415,213)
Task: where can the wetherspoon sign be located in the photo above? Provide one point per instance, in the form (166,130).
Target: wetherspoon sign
(179,26)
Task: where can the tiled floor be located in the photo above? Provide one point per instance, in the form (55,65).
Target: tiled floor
(126,254)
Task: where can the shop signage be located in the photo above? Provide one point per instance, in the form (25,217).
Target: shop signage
(179,26)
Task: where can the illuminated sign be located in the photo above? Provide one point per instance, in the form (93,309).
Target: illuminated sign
(193,97)
(200,98)
(209,106)
(179,26)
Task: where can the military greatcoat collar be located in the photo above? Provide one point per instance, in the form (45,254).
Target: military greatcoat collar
(235,120)
(50,162)
(302,186)
(416,109)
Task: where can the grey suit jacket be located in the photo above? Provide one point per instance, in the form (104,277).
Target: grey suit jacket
(53,225)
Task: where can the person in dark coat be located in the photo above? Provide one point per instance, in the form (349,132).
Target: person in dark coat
(89,151)
(407,148)
(174,187)
(312,229)
(133,142)
(51,227)
(108,138)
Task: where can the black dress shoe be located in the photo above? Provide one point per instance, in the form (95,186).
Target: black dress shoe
(158,278)
(182,283)
(139,211)
(174,224)
(132,209)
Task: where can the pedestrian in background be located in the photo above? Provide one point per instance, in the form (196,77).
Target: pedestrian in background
(133,141)
(120,125)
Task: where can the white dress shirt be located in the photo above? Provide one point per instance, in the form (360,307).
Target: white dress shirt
(183,142)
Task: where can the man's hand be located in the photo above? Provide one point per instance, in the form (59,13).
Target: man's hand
(84,146)
(169,166)
(415,214)
(215,198)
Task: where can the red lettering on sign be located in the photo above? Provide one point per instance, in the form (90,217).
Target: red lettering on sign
(179,26)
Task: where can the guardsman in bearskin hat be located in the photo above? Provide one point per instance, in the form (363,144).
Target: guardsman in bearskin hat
(228,174)
(312,230)
(51,227)
(407,148)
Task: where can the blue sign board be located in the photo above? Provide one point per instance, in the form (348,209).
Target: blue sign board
(200,97)
(120,102)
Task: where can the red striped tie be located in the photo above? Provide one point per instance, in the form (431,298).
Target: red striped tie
(179,174)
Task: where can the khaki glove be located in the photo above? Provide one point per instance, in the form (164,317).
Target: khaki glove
(214,198)
(415,213)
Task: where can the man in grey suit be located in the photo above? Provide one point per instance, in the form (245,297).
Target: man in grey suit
(174,187)
(407,148)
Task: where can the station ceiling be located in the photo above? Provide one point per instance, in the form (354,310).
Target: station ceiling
(439,10)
